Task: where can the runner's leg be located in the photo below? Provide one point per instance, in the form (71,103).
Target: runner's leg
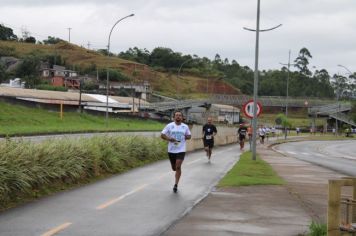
(178,170)
(172,159)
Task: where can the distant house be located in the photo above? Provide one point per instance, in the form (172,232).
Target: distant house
(218,112)
(57,71)
(60,76)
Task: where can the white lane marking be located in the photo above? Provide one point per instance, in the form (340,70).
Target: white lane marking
(319,154)
(192,162)
(304,153)
(57,229)
(350,157)
(293,153)
(115,200)
(163,175)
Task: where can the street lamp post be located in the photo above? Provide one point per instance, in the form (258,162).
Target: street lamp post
(255,79)
(349,71)
(180,68)
(107,71)
(287,90)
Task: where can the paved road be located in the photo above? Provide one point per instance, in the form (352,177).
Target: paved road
(335,155)
(139,202)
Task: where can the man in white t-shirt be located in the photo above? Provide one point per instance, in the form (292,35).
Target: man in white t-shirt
(176,133)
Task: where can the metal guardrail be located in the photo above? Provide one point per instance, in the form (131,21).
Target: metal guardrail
(175,105)
(334,111)
(278,101)
(344,118)
(329,109)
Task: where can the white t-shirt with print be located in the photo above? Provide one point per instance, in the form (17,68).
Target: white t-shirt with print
(178,132)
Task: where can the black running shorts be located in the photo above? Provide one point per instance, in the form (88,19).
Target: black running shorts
(175,156)
(208,143)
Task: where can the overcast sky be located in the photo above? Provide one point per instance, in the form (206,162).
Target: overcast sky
(202,27)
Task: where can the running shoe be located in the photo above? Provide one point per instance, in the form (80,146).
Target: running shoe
(175,188)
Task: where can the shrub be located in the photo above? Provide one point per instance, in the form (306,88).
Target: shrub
(317,229)
(27,168)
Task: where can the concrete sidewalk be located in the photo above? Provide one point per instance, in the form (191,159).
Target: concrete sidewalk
(263,210)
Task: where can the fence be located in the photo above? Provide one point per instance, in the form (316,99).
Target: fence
(341,210)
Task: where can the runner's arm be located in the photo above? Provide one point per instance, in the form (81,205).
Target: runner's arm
(169,139)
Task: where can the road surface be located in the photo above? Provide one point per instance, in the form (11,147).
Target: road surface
(139,202)
(336,155)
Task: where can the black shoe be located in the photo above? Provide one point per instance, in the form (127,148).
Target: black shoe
(175,188)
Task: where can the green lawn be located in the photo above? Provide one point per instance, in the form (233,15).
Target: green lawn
(249,172)
(20,120)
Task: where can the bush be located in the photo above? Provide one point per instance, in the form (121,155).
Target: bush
(29,168)
(50,87)
(317,229)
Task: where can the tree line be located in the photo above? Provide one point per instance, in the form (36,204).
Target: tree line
(302,80)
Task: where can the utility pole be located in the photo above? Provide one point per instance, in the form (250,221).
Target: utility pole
(69,29)
(287,92)
(88,45)
(255,79)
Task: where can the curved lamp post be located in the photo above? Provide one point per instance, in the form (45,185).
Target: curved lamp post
(107,71)
(349,71)
(255,80)
(287,92)
(180,68)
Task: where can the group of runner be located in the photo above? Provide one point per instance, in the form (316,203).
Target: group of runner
(177,132)
(245,131)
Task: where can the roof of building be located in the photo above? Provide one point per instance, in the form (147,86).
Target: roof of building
(47,96)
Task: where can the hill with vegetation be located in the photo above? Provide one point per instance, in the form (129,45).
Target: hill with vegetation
(171,73)
(90,62)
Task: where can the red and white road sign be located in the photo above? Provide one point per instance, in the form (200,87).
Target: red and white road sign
(248,109)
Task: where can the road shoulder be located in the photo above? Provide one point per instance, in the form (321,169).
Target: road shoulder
(264,210)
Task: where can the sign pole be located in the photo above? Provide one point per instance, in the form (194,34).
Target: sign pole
(255,83)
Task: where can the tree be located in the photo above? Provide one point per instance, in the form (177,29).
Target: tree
(302,61)
(6,33)
(3,74)
(114,75)
(136,54)
(29,67)
(30,40)
(52,40)
(340,85)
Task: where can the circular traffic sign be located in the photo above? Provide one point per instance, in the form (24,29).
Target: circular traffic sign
(248,109)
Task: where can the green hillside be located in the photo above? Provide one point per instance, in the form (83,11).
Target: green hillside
(19,120)
(87,61)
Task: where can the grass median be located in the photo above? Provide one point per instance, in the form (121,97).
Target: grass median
(248,172)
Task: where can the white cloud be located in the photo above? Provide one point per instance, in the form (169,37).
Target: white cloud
(326,27)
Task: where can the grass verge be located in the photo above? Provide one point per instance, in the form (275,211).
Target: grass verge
(248,172)
(21,120)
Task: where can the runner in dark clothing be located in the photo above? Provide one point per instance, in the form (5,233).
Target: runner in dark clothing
(209,131)
(242,131)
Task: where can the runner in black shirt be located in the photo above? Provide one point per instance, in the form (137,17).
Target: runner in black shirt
(209,131)
(242,131)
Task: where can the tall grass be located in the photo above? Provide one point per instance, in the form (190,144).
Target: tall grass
(28,168)
(317,229)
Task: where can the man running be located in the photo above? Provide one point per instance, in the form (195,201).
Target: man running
(242,135)
(209,131)
(176,133)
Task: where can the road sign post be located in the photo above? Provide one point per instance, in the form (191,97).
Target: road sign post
(248,109)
